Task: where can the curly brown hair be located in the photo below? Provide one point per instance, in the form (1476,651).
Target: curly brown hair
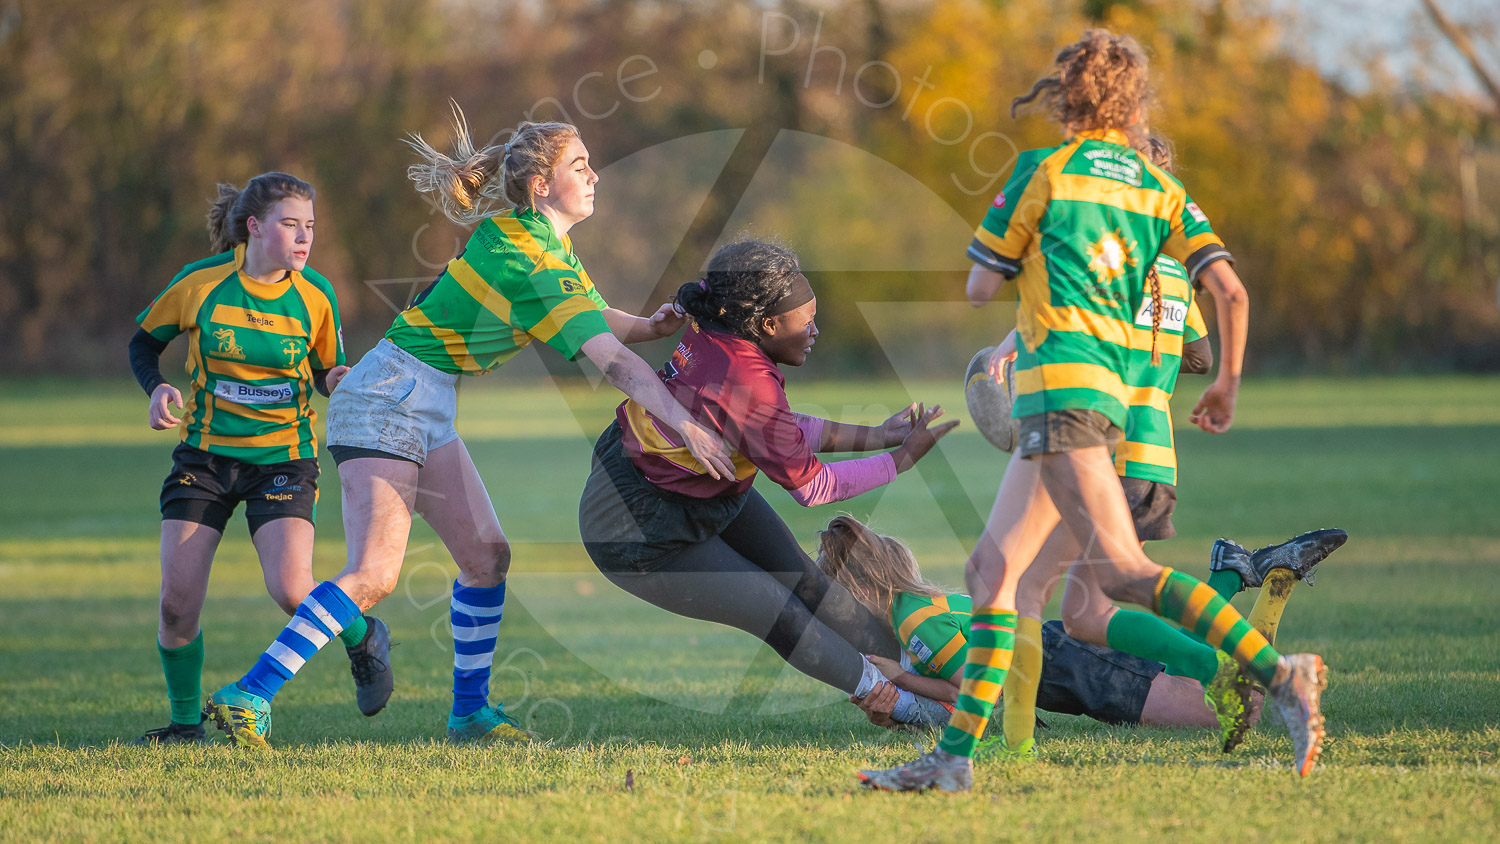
(1098,82)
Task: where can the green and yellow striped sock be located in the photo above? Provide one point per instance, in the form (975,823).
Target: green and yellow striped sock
(992,636)
(1193,604)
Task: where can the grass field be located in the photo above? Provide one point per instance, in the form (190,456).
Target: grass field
(719,740)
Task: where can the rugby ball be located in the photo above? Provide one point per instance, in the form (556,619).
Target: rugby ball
(990,403)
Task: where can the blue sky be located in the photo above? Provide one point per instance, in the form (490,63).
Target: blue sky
(1342,33)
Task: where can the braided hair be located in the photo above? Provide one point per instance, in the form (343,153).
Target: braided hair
(744,280)
(1159,150)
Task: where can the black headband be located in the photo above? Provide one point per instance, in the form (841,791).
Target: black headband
(798,294)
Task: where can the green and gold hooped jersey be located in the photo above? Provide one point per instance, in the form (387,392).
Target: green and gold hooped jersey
(515,281)
(1147,450)
(934,631)
(1078,226)
(252,347)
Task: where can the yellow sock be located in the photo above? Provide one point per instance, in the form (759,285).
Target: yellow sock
(1265,616)
(1019,718)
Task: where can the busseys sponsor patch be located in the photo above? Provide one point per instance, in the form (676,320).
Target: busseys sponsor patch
(1173,314)
(253,393)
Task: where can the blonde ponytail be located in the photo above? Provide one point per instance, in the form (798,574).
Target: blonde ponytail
(472,184)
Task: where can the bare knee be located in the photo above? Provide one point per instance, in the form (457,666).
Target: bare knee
(1086,627)
(985,576)
(489,564)
(284,599)
(179,616)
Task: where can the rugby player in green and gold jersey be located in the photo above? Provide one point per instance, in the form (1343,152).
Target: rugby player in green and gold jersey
(391,424)
(1078,226)
(1168,336)
(263,333)
(932,623)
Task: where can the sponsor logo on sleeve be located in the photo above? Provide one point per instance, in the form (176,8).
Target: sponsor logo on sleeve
(919,650)
(241,393)
(1000,200)
(1196,213)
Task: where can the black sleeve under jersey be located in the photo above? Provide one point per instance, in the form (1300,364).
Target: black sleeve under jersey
(145,360)
(1197,357)
(320,381)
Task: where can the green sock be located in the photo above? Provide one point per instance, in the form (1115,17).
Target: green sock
(1227,583)
(1148,637)
(184,669)
(354,633)
(992,636)
(1191,603)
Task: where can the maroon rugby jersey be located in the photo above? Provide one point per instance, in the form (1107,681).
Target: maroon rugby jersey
(729,385)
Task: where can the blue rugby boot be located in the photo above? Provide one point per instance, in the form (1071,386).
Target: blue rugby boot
(242,716)
(487,724)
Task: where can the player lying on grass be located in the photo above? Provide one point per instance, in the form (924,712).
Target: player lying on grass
(391,423)
(1078,226)
(263,333)
(661,527)
(1076,677)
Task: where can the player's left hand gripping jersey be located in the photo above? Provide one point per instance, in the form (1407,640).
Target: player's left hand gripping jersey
(1078,226)
(252,347)
(730,385)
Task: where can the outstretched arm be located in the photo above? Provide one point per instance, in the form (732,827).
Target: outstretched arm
(635,378)
(630,329)
(843,437)
(842,481)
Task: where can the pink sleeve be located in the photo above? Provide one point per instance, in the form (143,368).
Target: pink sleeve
(846,479)
(811,428)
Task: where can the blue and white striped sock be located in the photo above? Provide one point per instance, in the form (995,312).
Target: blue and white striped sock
(475,617)
(321,616)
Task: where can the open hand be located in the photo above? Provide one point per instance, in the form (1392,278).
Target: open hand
(1003,354)
(922,438)
(895,429)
